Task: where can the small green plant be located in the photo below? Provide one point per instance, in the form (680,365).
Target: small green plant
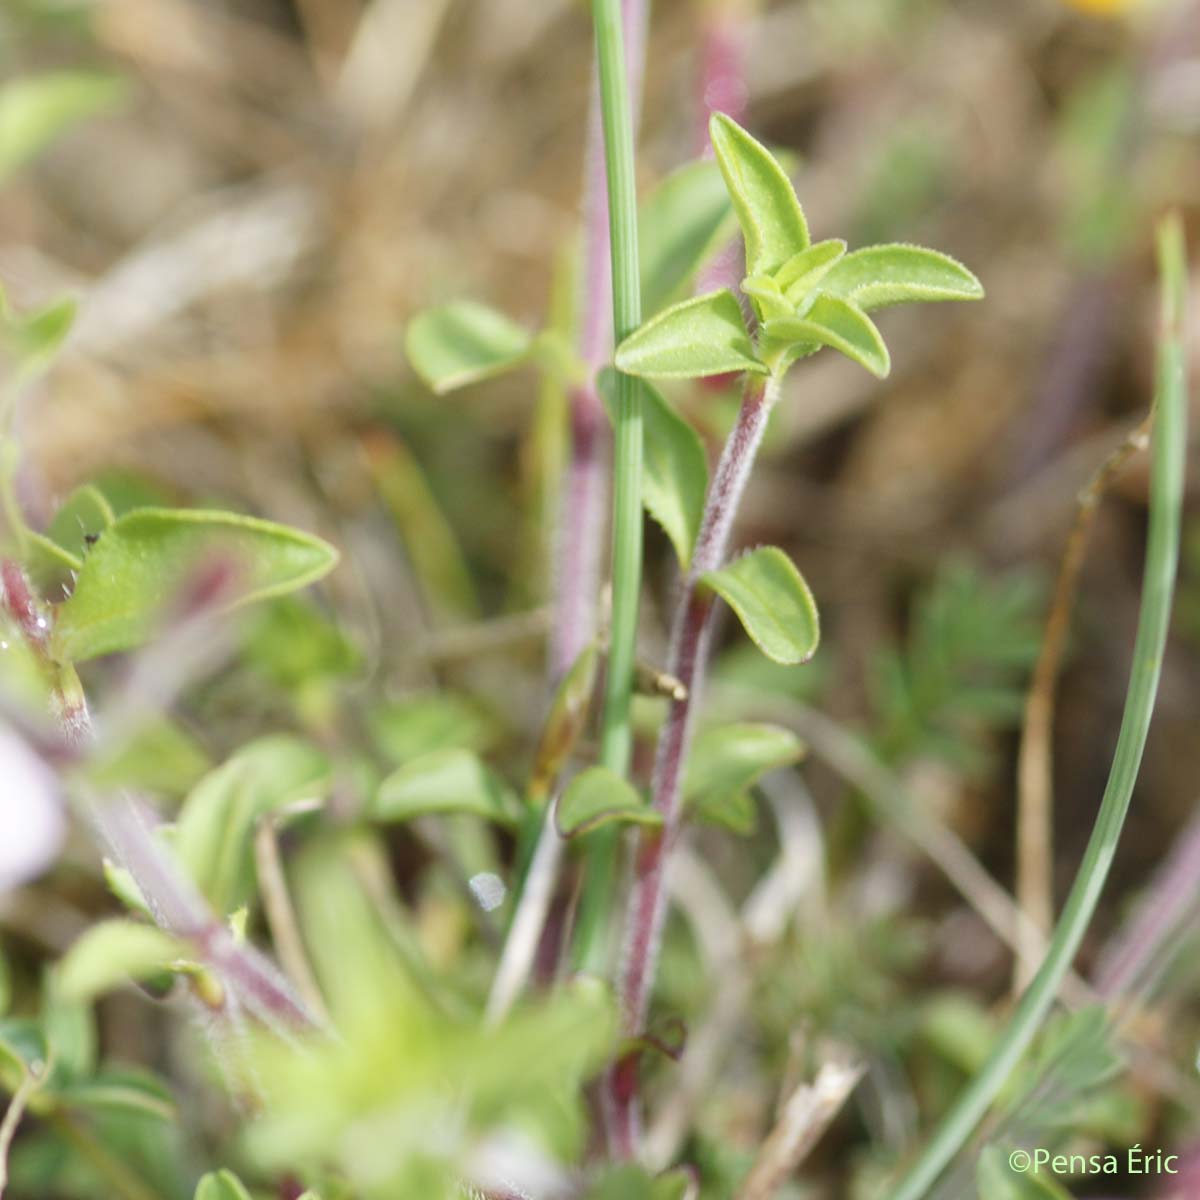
(467,911)
(804,297)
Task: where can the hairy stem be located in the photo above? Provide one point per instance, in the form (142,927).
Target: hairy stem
(122,825)
(281,915)
(690,634)
(1162,555)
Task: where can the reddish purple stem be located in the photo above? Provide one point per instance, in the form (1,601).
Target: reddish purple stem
(180,909)
(22,606)
(690,635)
(121,823)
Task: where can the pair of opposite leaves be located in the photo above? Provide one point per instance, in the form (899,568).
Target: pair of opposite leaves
(804,295)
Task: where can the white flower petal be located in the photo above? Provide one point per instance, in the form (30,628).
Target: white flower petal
(32,822)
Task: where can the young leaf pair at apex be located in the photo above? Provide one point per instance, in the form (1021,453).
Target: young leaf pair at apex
(803,296)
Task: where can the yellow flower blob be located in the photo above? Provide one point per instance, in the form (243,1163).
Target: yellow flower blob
(1102,7)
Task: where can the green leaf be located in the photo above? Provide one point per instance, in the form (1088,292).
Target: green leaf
(83,516)
(463,343)
(679,225)
(430,541)
(959,1028)
(1073,1058)
(737,812)
(295,643)
(35,339)
(771,218)
(124,887)
(113,952)
(58,554)
(221,1185)
(768,298)
(121,1090)
(70,1028)
(727,760)
(161,757)
(996,1179)
(127,490)
(626,1182)
(22,1047)
(698,337)
(564,723)
(834,322)
(445,781)
(50,567)
(635,1183)
(140,563)
(413,725)
(772,601)
(674,466)
(678,1184)
(598,797)
(34,111)
(804,271)
(898,274)
(215,828)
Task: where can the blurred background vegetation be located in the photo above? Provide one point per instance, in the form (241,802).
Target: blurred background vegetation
(251,197)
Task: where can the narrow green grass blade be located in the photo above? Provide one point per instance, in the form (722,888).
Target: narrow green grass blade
(616,734)
(1158,585)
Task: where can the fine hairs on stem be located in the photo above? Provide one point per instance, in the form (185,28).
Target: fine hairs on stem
(1162,556)
(688,658)
(123,828)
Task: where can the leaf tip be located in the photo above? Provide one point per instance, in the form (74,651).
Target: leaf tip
(721,125)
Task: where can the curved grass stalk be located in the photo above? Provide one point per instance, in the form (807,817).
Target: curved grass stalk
(1162,555)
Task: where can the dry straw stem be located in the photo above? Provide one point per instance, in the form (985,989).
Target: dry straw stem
(1035,786)
(281,914)
(807,1114)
